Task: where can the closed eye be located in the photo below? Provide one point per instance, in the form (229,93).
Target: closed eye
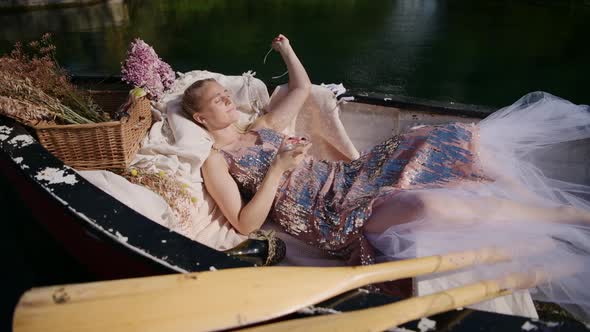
(219,98)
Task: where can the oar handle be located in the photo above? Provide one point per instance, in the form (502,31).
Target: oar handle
(471,294)
(454,298)
(426,265)
(387,316)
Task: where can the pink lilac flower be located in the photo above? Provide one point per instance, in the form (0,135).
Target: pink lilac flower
(166,74)
(143,68)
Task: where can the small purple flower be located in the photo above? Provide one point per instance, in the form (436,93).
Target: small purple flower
(166,74)
(143,68)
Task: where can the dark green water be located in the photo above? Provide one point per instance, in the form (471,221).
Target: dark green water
(478,52)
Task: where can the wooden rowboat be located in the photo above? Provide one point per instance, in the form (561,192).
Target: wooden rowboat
(114,241)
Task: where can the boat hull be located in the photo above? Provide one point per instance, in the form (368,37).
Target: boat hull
(112,241)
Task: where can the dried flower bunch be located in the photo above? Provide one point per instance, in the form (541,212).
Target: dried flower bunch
(144,69)
(173,191)
(34,88)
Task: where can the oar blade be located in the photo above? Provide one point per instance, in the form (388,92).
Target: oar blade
(197,301)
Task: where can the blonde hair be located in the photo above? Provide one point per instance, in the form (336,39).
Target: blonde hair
(192,96)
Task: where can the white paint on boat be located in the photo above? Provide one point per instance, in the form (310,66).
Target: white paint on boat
(312,310)
(5,130)
(400,329)
(121,237)
(18,161)
(527,326)
(22,140)
(55,175)
(426,324)
(50,191)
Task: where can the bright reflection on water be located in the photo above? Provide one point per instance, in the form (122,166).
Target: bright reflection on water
(487,52)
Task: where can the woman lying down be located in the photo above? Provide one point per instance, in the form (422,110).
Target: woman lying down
(431,190)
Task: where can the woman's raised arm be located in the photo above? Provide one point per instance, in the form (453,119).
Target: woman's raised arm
(279,117)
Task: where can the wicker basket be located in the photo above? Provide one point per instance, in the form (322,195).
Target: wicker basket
(106,145)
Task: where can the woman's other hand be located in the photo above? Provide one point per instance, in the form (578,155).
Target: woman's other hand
(281,43)
(289,156)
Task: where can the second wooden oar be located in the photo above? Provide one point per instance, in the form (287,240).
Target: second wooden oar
(206,301)
(391,315)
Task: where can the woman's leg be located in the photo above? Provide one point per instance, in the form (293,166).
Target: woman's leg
(406,207)
(497,209)
(397,209)
(329,137)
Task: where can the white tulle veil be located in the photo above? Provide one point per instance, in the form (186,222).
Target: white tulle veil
(541,144)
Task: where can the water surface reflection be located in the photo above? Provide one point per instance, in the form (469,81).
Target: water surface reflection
(486,52)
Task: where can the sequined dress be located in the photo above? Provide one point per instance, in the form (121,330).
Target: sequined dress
(326,203)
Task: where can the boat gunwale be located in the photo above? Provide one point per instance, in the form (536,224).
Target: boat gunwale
(410,104)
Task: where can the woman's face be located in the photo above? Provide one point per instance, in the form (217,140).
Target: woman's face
(217,109)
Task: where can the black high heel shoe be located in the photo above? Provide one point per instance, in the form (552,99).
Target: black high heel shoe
(261,249)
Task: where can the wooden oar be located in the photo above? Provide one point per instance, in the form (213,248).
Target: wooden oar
(388,316)
(212,300)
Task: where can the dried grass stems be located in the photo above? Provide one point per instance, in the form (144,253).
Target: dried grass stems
(35,105)
(173,191)
(34,88)
(25,112)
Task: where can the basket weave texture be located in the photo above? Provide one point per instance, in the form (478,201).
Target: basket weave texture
(105,145)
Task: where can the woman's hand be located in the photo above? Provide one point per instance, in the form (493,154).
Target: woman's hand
(286,108)
(281,44)
(289,156)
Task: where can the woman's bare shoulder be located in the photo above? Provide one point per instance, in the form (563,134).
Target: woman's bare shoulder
(214,162)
